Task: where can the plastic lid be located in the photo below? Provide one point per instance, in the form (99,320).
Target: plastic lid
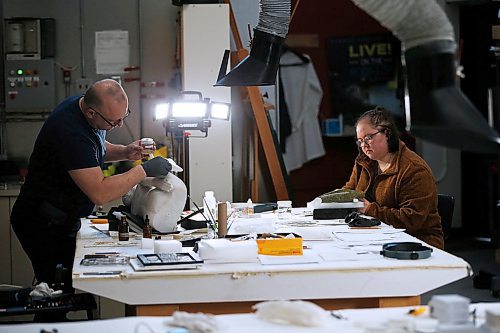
(145,141)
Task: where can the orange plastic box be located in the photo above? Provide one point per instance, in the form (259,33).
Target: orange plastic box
(280,246)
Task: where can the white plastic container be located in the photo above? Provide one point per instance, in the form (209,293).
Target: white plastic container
(250,207)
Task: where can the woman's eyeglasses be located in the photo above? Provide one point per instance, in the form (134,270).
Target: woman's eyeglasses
(112,124)
(368,138)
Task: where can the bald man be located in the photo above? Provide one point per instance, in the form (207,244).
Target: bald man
(65,178)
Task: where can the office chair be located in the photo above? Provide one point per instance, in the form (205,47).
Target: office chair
(445,206)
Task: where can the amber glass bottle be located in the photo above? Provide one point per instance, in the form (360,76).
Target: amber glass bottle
(123,229)
(147,230)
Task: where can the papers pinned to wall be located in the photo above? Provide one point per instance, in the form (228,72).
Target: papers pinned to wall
(112,51)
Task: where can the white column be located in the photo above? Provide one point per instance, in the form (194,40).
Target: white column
(205,36)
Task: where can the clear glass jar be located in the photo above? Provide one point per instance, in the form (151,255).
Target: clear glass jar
(148,145)
(284,209)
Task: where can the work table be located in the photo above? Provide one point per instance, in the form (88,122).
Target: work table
(233,287)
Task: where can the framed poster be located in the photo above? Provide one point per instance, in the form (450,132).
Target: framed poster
(364,71)
(366,59)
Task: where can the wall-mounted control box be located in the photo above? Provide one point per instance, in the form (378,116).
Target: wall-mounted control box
(29,84)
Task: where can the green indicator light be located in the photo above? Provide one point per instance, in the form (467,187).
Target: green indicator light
(19,72)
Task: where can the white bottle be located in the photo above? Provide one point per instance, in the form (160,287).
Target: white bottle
(250,209)
(210,206)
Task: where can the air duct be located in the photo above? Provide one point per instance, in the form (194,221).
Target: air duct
(260,67)
(440,112)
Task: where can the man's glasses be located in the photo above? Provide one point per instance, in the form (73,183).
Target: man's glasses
(116,123)
(367,139)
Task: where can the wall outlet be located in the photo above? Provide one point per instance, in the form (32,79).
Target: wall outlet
(82,84)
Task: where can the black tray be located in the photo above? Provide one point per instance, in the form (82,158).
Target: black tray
(170,259)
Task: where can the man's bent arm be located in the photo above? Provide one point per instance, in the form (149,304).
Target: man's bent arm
(115,152)
(100,189)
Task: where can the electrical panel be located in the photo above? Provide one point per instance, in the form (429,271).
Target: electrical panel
(29,38)
(29,84)
(29,67)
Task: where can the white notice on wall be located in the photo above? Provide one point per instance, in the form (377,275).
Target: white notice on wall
(112,51)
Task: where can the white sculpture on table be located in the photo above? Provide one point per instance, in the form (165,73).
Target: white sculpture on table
(161,198)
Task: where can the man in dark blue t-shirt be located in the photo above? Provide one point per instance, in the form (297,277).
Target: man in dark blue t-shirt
(65,178)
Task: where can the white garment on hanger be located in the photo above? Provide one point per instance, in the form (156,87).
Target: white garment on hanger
(303,95)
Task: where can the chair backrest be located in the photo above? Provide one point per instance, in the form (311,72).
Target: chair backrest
(446,204)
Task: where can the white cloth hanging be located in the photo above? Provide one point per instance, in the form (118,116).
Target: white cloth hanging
(303,95)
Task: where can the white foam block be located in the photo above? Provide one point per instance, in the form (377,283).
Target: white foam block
(167,246)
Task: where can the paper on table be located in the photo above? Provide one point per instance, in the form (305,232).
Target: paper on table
(101,227)
(309,257)
(113,244)
(310,233)
(364,237)
(198,217)
(252,225)
(331,222)
(370,230)
(336,254)
(375,248)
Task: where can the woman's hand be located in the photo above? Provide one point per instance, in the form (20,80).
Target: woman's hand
(366,203)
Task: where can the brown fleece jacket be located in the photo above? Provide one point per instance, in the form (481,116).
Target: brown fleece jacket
(405,194)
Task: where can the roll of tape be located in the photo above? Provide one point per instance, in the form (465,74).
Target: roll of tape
(167,246)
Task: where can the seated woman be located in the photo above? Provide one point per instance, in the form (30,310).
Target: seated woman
(398,184)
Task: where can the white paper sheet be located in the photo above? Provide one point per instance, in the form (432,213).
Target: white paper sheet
(331,253)
(364,237)
(112,51)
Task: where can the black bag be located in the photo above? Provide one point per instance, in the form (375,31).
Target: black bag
(356,220)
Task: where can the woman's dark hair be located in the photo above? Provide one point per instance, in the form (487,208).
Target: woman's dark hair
(381,119)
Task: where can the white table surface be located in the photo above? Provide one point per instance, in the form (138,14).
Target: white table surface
(356,321)
(236,282)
